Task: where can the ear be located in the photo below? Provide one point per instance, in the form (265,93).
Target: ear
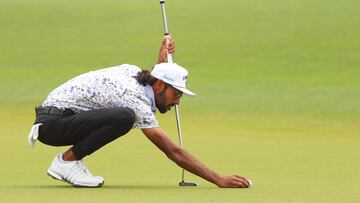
(158,86)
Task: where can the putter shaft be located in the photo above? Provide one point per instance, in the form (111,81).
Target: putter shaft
(170,60)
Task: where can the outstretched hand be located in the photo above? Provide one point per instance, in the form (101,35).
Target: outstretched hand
(234,181)
(167,47)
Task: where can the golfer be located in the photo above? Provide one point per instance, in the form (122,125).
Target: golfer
(95,108)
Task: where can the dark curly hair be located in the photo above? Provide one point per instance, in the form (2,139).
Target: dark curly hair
(144,77)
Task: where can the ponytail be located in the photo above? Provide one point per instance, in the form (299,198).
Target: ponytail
(144,77)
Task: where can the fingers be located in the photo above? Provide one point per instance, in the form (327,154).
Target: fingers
(247,181)
(171,49)
(167,47)
(168,39)
(242,178)
(242,183)
(236,181)
(168,44)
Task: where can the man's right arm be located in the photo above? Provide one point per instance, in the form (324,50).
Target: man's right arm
(185,160)
(167,46)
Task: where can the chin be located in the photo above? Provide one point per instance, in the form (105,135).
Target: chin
(162,110)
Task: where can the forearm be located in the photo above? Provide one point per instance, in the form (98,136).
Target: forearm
(185,160)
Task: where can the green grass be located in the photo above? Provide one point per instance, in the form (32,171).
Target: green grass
(278,96)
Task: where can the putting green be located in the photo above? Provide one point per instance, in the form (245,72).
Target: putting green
(278,97)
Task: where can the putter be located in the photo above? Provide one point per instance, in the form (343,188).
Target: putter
(170,60)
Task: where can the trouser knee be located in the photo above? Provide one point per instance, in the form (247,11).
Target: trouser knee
(126,119)
(130,115)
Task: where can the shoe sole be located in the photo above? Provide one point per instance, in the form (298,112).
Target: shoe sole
(57,177)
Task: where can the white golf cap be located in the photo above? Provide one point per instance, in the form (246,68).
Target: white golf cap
(172,74)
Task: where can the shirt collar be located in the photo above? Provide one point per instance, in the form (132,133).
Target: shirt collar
(150,94)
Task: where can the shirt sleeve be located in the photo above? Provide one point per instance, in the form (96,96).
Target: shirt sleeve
(145,117)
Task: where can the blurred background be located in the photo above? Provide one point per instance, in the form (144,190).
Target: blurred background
(278,100)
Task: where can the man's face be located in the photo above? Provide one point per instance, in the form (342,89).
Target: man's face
(166,96)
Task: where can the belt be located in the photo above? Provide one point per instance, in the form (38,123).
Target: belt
(53,111)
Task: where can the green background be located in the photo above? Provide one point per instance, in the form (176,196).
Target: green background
(278,86)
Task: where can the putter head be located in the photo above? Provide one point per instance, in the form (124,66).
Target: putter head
(182,183)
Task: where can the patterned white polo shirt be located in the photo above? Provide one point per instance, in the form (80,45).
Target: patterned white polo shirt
(107,88)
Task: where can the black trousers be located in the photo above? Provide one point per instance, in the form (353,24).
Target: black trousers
(87,131)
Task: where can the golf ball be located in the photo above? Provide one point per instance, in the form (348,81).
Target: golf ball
(250,183)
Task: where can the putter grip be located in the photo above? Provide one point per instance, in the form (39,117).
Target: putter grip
(169,58)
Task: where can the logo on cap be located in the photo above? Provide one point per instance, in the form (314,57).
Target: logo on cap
(168,78)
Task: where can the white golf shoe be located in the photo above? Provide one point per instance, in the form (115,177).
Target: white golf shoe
(73,172)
